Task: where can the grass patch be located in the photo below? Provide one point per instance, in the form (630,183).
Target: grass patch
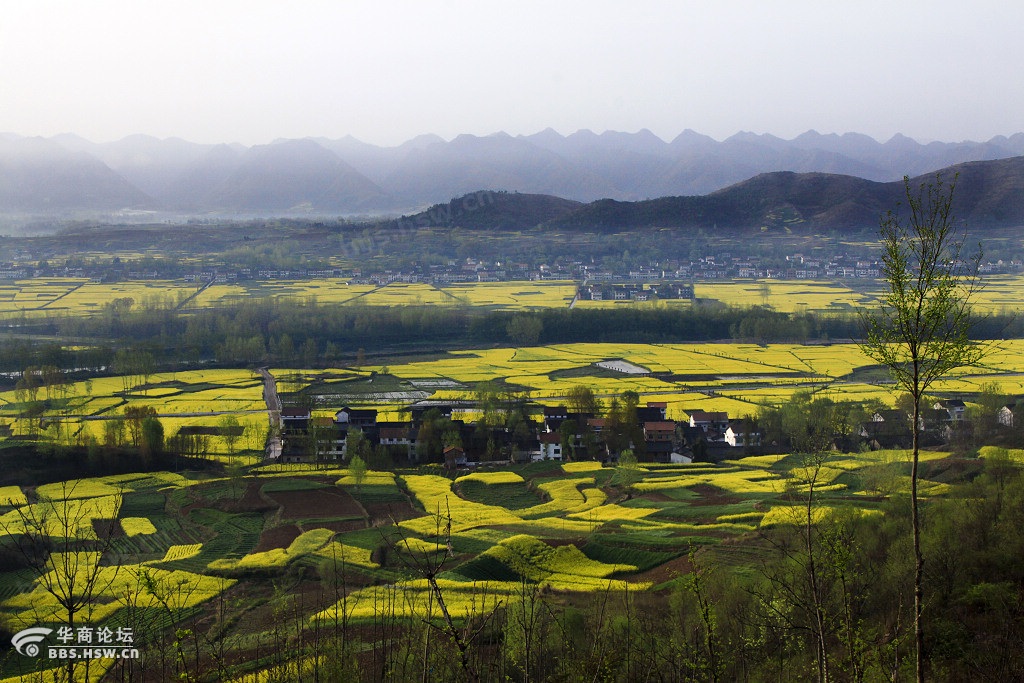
(371,494)
(235,535)
(292,485)
(511,496)
(585,371)
(628,554)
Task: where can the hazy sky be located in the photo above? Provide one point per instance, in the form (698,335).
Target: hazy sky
(383,71)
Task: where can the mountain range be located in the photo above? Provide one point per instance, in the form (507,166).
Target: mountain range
(67,175)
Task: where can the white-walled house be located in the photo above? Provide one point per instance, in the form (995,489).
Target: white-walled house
(739,435)
(550,447)
(1005,416)
(713,424)
(956,408)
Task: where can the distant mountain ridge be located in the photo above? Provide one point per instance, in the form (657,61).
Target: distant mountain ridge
(318,176)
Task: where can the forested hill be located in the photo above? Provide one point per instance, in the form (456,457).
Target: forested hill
(491,210)
(988,194)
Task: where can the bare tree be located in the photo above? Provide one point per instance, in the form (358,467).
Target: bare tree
(920,332)
(63,546)
(429,564)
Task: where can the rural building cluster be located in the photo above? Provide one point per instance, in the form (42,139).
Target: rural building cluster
(674,275)
(442,432)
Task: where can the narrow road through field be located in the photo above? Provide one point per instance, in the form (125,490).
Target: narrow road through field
(273,412)
(61,296)
(188,299)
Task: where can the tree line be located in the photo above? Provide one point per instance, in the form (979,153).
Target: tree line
(310,333)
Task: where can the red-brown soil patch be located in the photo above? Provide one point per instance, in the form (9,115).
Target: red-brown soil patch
(658,497)
(251,501)
(712,495)
(108,528)
(665,571)
(278,537)
(332,501)
(385,512)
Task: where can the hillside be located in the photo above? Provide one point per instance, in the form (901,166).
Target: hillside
(492,210)
(293,176)
(988,194)
(40,175)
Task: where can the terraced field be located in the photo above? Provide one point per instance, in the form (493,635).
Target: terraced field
(567,527)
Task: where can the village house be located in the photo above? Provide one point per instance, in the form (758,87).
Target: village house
(363,418)
(713,424)
(330,440)
(740,434)
(397,436)
(454,457)
(652,412)
(894,416)
(659,440)
(1005,415)
(305,438)
(886,434)
(956,409)
(550,447)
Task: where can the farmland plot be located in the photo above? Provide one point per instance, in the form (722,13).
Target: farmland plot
(786,295)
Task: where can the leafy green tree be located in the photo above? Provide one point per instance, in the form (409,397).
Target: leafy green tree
(627,472)
(920,331)
(615,433)
(357,445)
(580,399)
(113,432)
(134,417)
(357,468)
(567,439)
(27,388)
(134,366)
(984,413)
(451,438)
(524,330)
(152,441)
(488,398)
(231,431)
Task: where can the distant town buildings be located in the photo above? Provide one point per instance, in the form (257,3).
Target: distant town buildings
(672,278)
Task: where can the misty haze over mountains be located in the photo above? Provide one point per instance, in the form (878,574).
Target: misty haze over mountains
(65,175)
